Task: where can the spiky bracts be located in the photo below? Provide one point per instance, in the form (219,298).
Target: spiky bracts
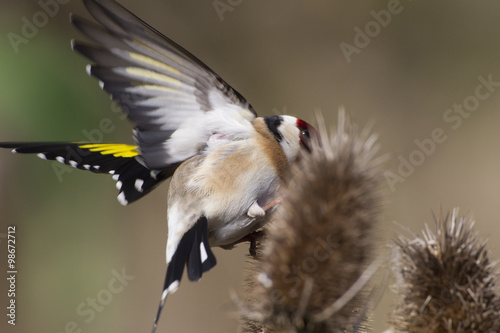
(445,280)
(314,265)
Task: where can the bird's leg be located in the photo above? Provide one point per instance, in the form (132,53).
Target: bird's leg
(256,235)
(272,203)
(253,238)
(256,210)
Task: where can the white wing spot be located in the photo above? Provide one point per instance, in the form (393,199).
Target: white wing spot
(121,199)
(74,164)
(154,173)
(60,159)
(86,166)
(164,296)
(97,167)
(112,172)
(88,68)
(42,156)
(138,184)
(172,288)
(119,185)
(203,252)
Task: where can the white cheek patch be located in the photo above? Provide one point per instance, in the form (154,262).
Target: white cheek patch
(291,137)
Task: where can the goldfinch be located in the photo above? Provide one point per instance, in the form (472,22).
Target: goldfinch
(225,162)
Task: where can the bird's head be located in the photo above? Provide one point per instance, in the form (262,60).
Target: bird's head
(292,134)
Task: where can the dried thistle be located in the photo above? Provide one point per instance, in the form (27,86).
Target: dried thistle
(445,280)
(312,269)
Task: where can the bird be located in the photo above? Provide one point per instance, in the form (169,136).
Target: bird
(226,163)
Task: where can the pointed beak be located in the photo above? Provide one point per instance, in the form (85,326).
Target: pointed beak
(306,144)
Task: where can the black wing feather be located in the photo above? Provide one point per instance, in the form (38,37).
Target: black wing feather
(159,84)
(134,180)
(188,253)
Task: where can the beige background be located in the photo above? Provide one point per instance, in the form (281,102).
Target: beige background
(284,57)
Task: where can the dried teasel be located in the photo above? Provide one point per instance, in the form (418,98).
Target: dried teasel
(312,270)
(445,280)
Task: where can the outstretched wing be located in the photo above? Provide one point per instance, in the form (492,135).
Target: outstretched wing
(133,179)
(165,91)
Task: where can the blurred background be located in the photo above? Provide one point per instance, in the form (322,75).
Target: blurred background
(293,57)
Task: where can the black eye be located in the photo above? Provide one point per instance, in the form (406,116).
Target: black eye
(305,133)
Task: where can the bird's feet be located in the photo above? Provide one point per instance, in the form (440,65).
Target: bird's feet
(255,211)
(252,238)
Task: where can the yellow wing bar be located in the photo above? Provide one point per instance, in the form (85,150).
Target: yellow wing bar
(117,150)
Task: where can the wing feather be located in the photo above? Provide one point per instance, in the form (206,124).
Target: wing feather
(134,180)
(162,88)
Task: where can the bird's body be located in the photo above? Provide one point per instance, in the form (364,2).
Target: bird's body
(226,163)
(214,185)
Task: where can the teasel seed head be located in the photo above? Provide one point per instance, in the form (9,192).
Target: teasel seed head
(445,280)
(313,269)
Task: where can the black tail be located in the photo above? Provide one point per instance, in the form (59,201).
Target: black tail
(133,179)
(194,252)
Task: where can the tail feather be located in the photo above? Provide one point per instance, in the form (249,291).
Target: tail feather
(201,258)
(134,179)
(193,252)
